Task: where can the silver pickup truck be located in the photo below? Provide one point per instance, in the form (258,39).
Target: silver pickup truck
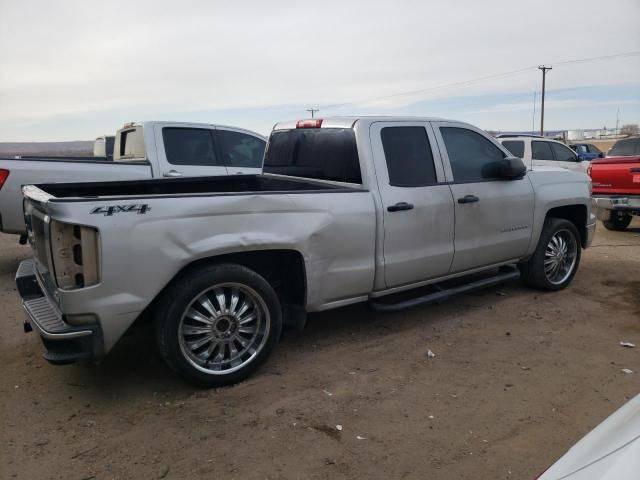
(141,150)
(348,210)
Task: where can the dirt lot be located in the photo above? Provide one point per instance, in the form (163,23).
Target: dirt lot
(518,377)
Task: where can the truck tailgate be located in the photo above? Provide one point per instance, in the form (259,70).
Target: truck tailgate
(616,176)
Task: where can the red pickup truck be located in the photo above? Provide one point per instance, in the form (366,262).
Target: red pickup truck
(616,184)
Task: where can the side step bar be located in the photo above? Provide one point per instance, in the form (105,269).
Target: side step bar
(504,274)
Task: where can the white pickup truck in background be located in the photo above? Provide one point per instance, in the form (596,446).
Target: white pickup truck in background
(103,146)
(142,150)
(536,151)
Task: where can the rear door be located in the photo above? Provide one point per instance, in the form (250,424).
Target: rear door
(241,152)
(493,217)
(418,212)
(185,151)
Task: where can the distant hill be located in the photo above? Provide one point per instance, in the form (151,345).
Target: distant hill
(77,148)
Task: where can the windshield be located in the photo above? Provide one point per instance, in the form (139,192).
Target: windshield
(626,147)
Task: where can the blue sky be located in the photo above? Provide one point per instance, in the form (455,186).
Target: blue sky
(75,75)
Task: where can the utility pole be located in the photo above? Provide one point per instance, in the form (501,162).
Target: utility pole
(617,121)
(544,69)
(313,111)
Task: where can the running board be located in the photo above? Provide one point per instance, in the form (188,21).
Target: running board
(504,274)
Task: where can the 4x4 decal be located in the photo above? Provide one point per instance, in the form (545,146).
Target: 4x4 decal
(109,210)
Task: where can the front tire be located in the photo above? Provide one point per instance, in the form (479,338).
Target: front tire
(217,324)
(556,258)
(618,221)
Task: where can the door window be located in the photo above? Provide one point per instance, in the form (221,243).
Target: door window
(408,155)
(473,157)
(562,153)
(541,151)
(189,146)
(240,149)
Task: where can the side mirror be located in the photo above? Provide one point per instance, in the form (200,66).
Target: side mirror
(511,168)
(601,155)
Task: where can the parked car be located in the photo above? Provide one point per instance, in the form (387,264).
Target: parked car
(542,152)
(586,151)
(142,150)
(348,210)
(103,146)
(616,184)
(611,451)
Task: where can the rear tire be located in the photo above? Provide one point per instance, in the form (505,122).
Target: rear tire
(618,221)
(556,258)
(217,324)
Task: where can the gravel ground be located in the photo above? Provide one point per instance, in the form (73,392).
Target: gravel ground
(518,377)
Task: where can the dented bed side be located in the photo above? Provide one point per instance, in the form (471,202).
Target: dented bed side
(148,241)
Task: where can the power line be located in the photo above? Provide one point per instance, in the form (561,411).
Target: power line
(481,79)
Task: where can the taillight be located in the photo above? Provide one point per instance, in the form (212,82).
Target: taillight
(3,176)
(589,170)
(74,250)
(309,123)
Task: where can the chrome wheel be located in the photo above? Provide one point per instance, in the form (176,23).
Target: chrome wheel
(223,328)
(560,256)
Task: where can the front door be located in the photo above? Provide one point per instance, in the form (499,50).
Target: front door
(493,217)
(241,152)
(417,208)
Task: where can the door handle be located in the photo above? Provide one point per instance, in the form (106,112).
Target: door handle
(400,206)
(172,173)
(468,199)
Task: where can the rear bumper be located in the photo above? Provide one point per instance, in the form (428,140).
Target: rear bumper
(604,205)
(64,343)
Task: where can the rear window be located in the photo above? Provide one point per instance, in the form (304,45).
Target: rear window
(516,147)
(626,147)
(319,153)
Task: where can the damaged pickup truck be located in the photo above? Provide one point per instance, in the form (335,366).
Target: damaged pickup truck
(394,211)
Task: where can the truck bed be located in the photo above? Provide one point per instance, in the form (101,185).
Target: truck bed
(190,186)
(58,158)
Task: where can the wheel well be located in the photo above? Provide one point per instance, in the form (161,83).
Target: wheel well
(576,214)
(283,269)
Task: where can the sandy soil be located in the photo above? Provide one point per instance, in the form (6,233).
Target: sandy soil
(518,377)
